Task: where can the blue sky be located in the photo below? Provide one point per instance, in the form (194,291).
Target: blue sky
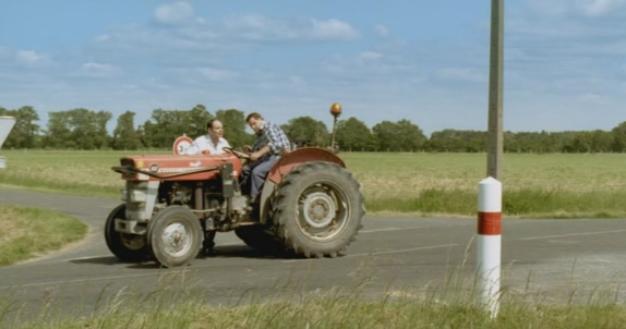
(426,61)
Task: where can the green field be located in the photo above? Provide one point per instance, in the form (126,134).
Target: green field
(547,185)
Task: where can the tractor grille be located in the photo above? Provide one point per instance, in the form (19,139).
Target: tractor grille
(135,195)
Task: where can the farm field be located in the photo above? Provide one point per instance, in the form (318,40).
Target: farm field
(535,185)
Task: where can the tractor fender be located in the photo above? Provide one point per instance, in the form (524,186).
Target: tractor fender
(286,164)
(291,160)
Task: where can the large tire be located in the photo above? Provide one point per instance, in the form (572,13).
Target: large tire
(317,210)
(175,236)
(256,237)
(126,247)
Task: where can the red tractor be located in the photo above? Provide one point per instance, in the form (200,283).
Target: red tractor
(310,206)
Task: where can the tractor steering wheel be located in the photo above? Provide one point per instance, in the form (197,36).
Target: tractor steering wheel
(239,154)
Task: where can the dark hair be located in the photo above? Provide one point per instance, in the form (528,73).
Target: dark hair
(255,115)
(209,125)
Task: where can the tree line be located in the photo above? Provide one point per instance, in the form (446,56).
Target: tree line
(87,130)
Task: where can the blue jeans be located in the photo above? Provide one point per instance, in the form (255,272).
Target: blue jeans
(255,174)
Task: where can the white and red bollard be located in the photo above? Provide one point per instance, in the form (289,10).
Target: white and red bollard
(489,243)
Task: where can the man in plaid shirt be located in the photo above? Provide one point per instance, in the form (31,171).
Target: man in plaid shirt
(271,142)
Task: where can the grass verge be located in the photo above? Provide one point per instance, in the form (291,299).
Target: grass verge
(330,311)
(27,232)
(527,203)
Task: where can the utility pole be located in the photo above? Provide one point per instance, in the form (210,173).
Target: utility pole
(489,241)
(495,143)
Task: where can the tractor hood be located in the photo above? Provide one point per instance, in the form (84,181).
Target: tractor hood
(175,167)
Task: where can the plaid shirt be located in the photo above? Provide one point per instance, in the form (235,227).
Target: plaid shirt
(273,136)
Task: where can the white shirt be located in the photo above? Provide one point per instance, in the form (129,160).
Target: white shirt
(205,143)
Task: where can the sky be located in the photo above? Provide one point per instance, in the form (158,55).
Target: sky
(426,61)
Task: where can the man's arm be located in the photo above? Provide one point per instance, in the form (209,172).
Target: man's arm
(260,153)
(278,141)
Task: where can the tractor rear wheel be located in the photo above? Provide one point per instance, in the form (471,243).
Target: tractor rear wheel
(126,247)
(256,237)
(317,210)
(175,236)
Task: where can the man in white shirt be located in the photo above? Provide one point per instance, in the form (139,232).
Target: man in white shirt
(213,143)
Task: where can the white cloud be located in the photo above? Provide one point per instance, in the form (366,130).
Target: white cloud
(461,74)
(218,37)
(367,56)
(598,7)
(173,13)
(296,80)
(553,7)
(103,38)
(333,29)
(250,21)
(589,8)
(592,98)
(232,33)
(215,75)
(381,30)
(259,28)
(29,57)
(99,70)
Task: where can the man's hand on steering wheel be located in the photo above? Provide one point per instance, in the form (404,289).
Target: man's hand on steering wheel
(239,154)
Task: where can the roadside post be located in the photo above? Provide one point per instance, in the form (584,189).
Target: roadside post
(489,242)
(6,124)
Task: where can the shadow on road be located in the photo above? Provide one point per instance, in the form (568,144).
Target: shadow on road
(243,252)
(105,260)
(112,260)
(219,252)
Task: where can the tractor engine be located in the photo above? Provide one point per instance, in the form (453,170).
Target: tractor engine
(216,202)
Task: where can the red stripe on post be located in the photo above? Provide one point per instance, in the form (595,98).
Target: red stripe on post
(490,223)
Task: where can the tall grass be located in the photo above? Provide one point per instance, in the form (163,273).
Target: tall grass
(26,232)
(330,310)
(527,203)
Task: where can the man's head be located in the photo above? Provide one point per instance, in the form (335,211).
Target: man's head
(215,128)
(255,121)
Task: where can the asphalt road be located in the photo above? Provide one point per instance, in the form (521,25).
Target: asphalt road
(549,258)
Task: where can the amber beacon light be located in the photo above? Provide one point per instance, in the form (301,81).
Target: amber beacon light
(335,111)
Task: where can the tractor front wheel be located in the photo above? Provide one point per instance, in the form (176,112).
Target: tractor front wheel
(175,236)
(126,247)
